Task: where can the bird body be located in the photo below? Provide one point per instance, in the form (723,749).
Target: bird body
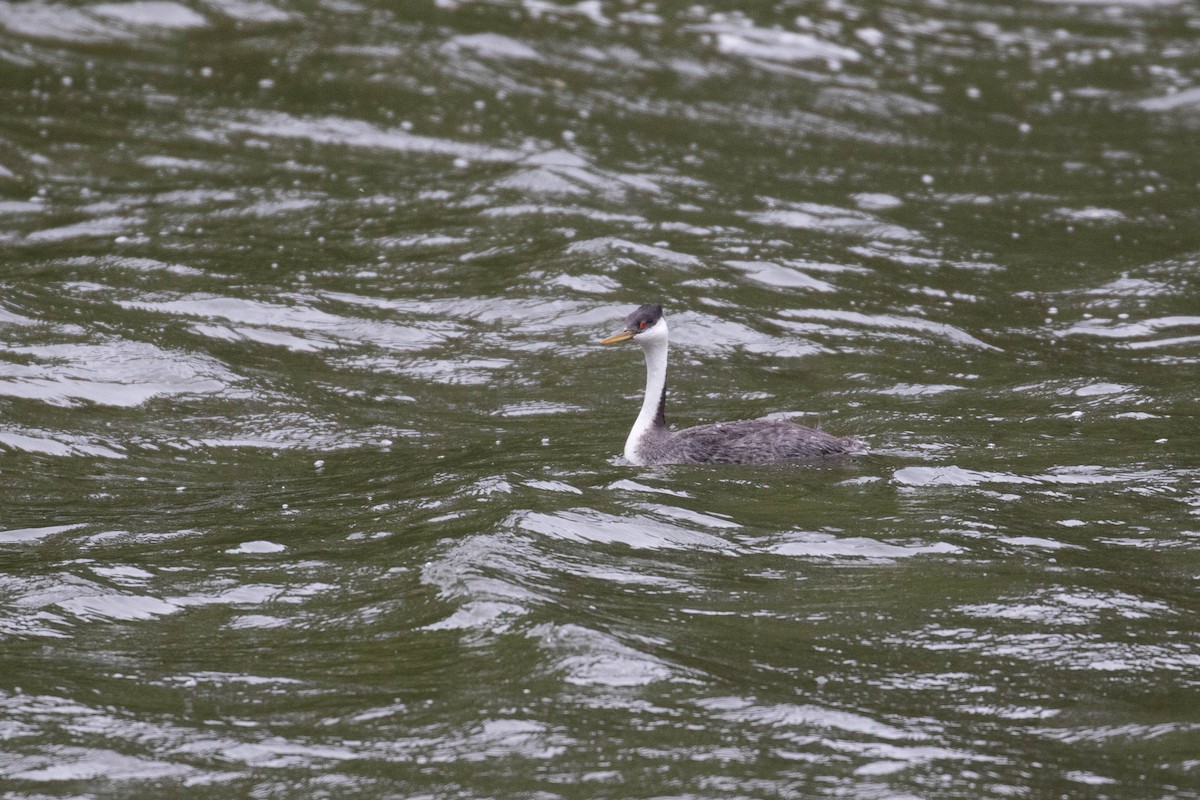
(745,442)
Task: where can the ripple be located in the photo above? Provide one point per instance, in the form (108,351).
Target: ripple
(65,763)
(22,535)
(919,389)
(888,321)
(1110,329)
(137,264)
(256,547)
(1134,732)
(19,207)
(345,132)
(251,12)
(1089,214)
(831,219)
(319,330)
(1084,475)
(491,45)
(787,716)
(559,173)
(1076,651)
(142,14)
(825,545)
(353,228)
(876,201)
(1131,287)
(118,373)
(536,408)
(1185,100)
(9,318)
(106,22)
(610,245)
(924,259)
(639,531)
(1074,608)
(90,228)
(496,739)
(105,605)
(745,40)
(773,274)
(474,571)
(588,657)
(59,443)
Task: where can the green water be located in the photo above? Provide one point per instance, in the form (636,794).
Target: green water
(310,475)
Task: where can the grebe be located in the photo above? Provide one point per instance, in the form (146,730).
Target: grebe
(760,441)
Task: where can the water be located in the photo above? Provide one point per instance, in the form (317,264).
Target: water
(309,457)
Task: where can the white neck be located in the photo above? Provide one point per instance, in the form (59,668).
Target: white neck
(656,380)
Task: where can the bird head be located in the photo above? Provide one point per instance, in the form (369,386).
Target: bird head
(645,325)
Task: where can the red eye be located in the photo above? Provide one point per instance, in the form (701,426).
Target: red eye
(642,325)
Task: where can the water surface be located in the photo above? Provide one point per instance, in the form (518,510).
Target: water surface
(310,463)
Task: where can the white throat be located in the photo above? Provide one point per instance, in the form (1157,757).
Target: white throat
(655,347)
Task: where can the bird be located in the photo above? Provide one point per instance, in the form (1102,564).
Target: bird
(759,441)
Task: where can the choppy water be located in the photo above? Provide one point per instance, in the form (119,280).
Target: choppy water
(309,459)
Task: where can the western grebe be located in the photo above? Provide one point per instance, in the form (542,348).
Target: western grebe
(759,441)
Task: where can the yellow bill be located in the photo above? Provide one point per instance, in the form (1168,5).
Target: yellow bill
(623,336)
